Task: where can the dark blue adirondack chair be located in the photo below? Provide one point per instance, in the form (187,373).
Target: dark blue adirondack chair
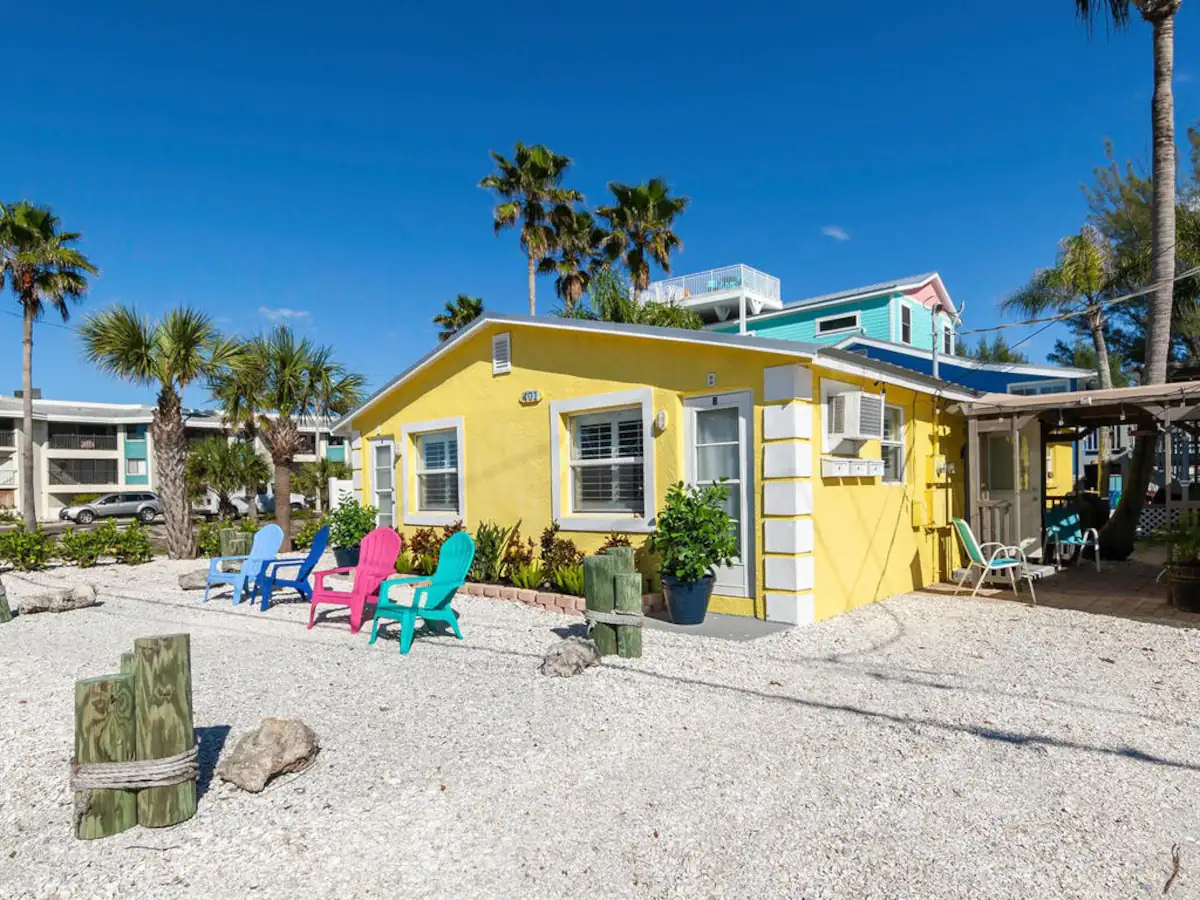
(271,577)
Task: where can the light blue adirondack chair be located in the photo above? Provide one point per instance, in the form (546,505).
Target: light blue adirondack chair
(272,578)
(1001,559)
(266,544)
(432,594)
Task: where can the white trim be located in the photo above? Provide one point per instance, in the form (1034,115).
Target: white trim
(950,391)
(857,294)
(567,521)
(967,362)
(502,339)
(901,443)
(792,609)
(410,516)
(904,307)
(854,314)
(1063,383)
(376,443)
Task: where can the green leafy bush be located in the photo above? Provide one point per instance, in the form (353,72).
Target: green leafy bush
(26,551)
(491,547)
(425,542)
(518,554)
(132,545)
(404,563)
(558,552)
(694,533)
(569,580)
(528,577)
(350,523)
(426,564)
(82,547)
(305,533)
(615,540)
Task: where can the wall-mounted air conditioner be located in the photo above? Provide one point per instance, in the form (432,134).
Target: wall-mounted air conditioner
(856,416)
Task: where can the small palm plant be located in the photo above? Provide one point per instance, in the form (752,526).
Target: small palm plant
(458,314)
(225,467)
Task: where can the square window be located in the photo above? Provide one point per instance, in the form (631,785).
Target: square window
(437,471)
(607,463)
(135,467)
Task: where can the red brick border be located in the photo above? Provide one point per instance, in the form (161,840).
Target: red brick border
(560,603)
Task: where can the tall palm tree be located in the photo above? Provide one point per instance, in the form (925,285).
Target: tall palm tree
(1080,282)
(641,221)
(531,195)
(578,253)
(458,314)
(180,349)
(293,380)
(224,467)
(44,270)
(235,391)
(1121,528)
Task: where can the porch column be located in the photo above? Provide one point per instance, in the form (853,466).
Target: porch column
(1167,442)
(789,572)
(1015,436)
(974,477)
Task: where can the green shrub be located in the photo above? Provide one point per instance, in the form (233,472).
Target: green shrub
(557,552)
(305,533)
(8,515)
(491,547)
(26,551)
(694,533)
(404,563)
(350,523)
(132,546)
(518,554)
(81,547)
(528,577)
(426,564)
(615,540)
(208,537)
(425,542)
(569,580)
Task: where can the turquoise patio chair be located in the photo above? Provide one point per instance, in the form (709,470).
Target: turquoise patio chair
(432,595)
(1065,529)
(266,544)
(999,558)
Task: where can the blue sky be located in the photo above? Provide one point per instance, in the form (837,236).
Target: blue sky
(320,161)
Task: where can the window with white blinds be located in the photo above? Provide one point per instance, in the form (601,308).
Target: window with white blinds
(607,462)
(437,471)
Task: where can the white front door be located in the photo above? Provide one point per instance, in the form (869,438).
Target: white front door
(383,481)
(719,433)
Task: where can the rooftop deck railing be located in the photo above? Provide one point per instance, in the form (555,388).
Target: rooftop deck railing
(684,288)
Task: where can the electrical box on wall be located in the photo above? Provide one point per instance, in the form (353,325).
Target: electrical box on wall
(937,470)
(919,514)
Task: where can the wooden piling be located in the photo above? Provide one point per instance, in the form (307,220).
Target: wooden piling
(163,674)
(128,664)
(628,597)
(624,557)
(105,732)
(598,592)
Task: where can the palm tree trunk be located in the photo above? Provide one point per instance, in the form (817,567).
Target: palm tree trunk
(1105,373)
(1118,535)
(170,457)
(252,489)
(28,507)
(283,502)
(532,285)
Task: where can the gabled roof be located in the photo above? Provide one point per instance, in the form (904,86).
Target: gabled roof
(822,354)
(909,283)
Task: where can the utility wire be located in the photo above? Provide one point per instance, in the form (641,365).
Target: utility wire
(9,312)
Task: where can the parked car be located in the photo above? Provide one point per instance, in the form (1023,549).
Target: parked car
(208,506)
(142,504)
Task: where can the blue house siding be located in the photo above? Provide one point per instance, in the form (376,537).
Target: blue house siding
(135,448)
(922,324)
(985,380)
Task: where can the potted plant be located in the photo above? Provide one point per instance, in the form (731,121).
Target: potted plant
(693,534)
(348,525)
(1182,540)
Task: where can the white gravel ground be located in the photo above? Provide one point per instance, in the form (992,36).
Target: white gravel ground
(919,748)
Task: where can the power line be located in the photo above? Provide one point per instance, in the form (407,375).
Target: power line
(9,312)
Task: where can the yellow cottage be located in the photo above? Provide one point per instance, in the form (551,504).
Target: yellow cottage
(843,471)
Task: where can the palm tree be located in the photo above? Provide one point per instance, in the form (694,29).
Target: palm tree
(224,466)
(1079,283)
(531,195)
(44,270)
(578,243)
(312,479)
(292,381)
(458,314)
(609,299)
(1119,532)
(181,349)
(641,222)
(235,391)
(997,351)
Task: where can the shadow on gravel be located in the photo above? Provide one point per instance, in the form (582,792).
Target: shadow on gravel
(212,740)
(579,629)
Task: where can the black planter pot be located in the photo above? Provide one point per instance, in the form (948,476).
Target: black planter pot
(345,556)
(687,600)
(1185,587)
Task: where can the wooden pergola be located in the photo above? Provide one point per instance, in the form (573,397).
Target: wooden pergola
(1070,416)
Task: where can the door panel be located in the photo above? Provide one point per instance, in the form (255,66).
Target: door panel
(383,481)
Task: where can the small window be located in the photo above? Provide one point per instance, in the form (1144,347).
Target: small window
(833,324)
(135,467)
(947,340)
(607,473)
(135,432)
(905,324)
(437,471)
(892,445)
(501,354)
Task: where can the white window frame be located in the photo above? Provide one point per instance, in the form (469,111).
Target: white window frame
(1043,386)
(372,446)
(560,469)
(145,467)
(906,308)
(502,367)
(409,514)
(820,332)
(898,443)
(419,468)
(947,339)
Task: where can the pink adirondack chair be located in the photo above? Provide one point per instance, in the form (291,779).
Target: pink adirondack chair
(376,561)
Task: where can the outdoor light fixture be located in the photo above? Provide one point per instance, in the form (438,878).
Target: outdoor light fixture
(1122,413)
(1060,419)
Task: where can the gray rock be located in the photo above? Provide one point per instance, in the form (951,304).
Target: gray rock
(59,600)
(196,580)
(273,748)
(569,657)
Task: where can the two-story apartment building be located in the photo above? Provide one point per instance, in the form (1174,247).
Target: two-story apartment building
(84,448)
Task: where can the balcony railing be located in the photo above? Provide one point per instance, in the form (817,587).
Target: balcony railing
(685,288)
(8,439)
(8,478)
(83,442)
(83,471)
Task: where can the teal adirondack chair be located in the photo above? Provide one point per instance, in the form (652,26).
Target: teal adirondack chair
(999,558)
(432,595)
